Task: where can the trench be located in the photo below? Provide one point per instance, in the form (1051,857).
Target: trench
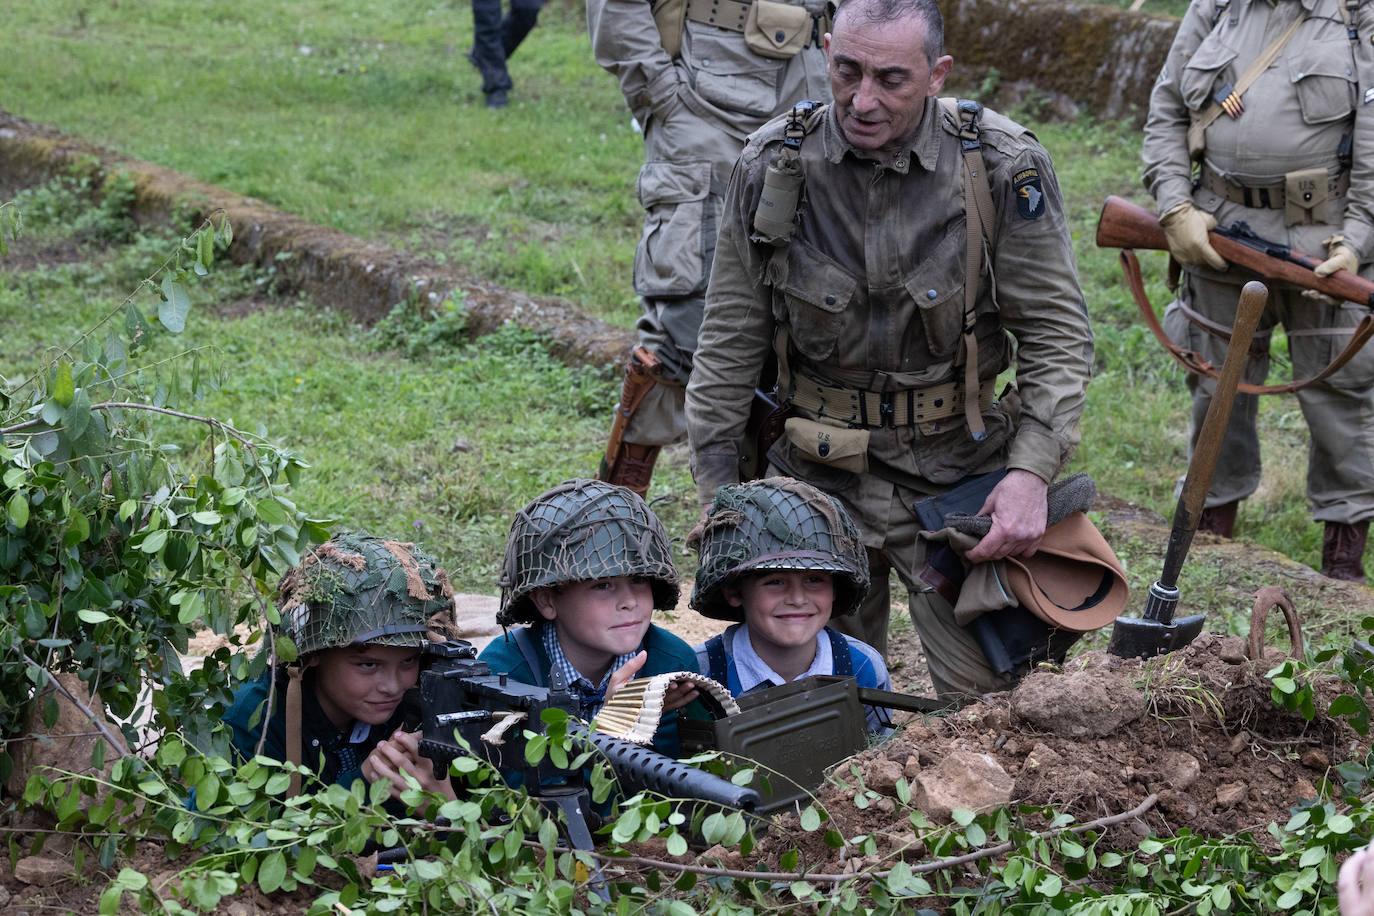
(1081,59)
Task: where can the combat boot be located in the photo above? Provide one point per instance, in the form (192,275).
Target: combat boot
(1219,520)
(1343,550)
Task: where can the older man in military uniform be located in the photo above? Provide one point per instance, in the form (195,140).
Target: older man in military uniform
(1271,102)
(860,290)
(699,76)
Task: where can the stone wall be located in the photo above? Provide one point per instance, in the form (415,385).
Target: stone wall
(1098,59)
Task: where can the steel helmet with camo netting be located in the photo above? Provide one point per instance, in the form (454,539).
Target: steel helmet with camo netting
(580,530)
(356,589)
(777,523)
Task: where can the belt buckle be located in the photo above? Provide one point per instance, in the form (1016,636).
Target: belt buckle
(886,415)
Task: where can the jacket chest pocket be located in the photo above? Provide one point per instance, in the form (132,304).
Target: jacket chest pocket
(1323,82)
(1204,73)
(814,300)
(937,288)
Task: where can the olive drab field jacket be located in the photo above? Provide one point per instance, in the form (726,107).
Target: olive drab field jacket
(1310,110)
(716,74)
(873,297)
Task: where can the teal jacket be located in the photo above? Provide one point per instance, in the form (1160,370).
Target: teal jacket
(667,653)
(336,756)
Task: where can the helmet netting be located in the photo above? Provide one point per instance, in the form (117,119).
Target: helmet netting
(778,523)
(581,530)
(356,588)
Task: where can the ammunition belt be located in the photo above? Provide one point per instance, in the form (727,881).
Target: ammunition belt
(1262,197)
(903,407)
(723,14)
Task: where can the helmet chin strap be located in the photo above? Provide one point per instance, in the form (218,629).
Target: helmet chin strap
(293,726)
(294,705)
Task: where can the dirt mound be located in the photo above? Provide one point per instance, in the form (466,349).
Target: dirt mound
(1196,730)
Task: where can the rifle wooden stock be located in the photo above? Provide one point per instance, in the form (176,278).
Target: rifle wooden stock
(1126,225)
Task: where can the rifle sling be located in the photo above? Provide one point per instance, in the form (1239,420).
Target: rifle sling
(1193,361)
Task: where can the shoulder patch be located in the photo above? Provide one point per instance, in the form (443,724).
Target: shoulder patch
(1030,197)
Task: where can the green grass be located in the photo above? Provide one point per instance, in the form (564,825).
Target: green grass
(406,433)
(365,116)
(379,129)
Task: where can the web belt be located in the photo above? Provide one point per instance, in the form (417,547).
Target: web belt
(723,14)
(1270,196)
(903,407)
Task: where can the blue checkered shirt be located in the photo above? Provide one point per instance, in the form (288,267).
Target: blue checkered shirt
(592,696)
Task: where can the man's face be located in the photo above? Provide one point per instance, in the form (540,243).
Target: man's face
(880,78)
(598,619)
(785,608)
(365,683)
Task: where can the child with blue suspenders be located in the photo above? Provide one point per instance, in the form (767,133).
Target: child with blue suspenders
(781,557)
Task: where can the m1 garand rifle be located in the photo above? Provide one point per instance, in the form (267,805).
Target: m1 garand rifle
(467,710)
(1128,226)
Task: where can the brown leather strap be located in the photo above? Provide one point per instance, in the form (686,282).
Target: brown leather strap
(1196,364)
(642,372)
(293,726)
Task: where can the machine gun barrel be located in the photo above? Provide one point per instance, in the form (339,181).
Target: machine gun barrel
(640,768)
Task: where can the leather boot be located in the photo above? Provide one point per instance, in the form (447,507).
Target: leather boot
(1343,550)
(1219,519)
(632,468)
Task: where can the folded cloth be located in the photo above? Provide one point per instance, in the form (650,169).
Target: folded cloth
(1073,581)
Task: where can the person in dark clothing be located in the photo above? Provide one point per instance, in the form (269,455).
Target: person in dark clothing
(494,40)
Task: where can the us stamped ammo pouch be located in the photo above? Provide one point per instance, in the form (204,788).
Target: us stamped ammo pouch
(836,446)
(777,30)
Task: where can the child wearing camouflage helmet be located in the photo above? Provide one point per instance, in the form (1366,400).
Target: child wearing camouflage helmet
(586,564)
(782,557)
(358,608)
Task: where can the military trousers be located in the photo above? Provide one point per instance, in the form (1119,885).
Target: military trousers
(1339,411)
(681,186)
(495,37)
(957,665)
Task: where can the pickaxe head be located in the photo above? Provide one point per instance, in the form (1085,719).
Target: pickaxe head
(1136,637)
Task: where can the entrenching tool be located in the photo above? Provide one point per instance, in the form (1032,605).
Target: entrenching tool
(1157,632)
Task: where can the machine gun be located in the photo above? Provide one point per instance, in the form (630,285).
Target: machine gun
(459,698)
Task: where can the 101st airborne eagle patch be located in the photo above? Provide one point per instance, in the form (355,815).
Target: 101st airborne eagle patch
(1030,197)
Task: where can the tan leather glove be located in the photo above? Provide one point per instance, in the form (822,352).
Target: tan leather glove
(1338,257)
(1186,227)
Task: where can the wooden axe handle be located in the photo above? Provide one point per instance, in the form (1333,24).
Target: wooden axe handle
(1208,445)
